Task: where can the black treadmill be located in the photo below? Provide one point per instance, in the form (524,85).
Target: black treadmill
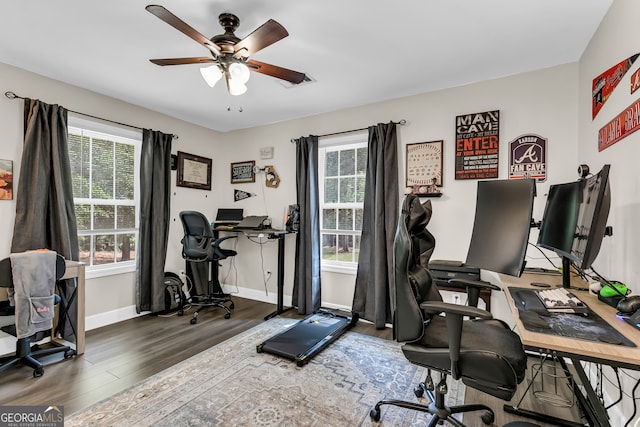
(308,336)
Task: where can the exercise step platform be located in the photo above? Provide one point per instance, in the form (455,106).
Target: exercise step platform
(309,336)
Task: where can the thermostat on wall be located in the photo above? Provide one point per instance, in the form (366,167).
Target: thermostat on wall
(266,153)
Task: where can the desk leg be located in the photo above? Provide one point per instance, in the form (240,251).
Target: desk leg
(590,403)
(280,307)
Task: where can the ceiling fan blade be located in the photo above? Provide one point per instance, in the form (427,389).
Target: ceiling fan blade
(263,36)
(291,76)
(183,27)
(182,61)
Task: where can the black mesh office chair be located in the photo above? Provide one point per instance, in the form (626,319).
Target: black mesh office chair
(26,353)
(202,253)
(483,353)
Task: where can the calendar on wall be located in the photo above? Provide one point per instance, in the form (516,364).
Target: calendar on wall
(424,166)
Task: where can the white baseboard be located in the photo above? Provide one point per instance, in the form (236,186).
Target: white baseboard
(126,313)
(110,317)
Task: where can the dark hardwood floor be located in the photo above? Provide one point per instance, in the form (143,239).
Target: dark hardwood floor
(121,355)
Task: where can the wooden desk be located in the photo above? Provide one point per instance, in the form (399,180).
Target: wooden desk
(576,349)
(75,269)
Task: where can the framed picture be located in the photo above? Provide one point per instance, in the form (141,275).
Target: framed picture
(6,179)
(194,171)
(424,167)
(243,172)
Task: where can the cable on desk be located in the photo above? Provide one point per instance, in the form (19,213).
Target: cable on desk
(615,369)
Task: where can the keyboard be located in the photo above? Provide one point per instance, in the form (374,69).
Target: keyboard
(560,300)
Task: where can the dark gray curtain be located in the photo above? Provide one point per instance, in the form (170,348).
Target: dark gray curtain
(374,280)
(155,198)
(45,215)
(306,282)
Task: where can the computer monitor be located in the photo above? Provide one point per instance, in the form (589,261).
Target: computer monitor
(501,226)
(575,220)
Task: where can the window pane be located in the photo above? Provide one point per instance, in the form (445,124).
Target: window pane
(126,246)
(104,250)
(331,190)
(83,217)
(345,219)
(102,169)
(329,218)
(126,216)
(84,244)
(356,248)
(79,160)
(329,247)
(358,218)
(360,183)
(331,163)
(124,177)
(361,161)
(347,190)
(104,217)
(345,244)
(348,162)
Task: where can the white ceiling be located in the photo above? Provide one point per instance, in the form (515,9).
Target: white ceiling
(358,51)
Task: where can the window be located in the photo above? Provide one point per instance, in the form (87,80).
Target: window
(342,168)
(104,169)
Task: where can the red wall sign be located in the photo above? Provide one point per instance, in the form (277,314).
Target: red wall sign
(635,81)
(623,125)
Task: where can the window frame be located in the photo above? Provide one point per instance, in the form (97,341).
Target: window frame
(123,135)
(352,140)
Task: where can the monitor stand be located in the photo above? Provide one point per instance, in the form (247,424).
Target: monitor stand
(566,276)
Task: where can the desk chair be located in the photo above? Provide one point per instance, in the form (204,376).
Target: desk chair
(201,247)
(25,352)
(481,352)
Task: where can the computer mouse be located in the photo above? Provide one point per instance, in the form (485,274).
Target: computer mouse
(629,304)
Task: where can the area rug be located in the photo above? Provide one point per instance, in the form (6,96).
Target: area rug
(233,385)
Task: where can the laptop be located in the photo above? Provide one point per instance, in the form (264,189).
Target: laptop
(255,222)
(227,217)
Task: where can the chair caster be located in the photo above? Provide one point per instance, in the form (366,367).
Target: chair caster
(487,417)
(38,372)
(194,321)
(180,312)
(69,353)
(375,414)
(419,390)
(227,315)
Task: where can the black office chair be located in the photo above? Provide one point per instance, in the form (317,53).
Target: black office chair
(481,352)
(26,353)
(202,253)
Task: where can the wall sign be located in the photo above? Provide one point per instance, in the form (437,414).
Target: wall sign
(424,167)
(528,158)
(605,83)
(243,172)
(635,81)
(622,126)
(477,145)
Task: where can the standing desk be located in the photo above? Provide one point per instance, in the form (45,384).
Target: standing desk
(75,269)
(271,233)
(577,350)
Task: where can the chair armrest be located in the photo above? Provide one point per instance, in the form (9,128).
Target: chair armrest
(455,309)
(474,284)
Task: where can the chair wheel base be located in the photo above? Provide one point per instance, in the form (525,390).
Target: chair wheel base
(375,414)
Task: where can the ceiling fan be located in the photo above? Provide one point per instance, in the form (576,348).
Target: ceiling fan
(229,53)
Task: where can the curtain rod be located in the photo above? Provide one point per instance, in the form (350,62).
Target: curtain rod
(401,123)
(12,95)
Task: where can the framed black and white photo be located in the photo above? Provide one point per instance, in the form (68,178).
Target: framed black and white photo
(242,172)
(424,166)
(194,171)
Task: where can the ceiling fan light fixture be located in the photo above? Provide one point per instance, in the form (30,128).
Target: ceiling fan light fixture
(236,87)
(239,72)
(211,74)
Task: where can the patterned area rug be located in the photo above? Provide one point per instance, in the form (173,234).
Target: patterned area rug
(233,385)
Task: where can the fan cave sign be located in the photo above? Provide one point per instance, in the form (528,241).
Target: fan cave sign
(477,145)
(528,158)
